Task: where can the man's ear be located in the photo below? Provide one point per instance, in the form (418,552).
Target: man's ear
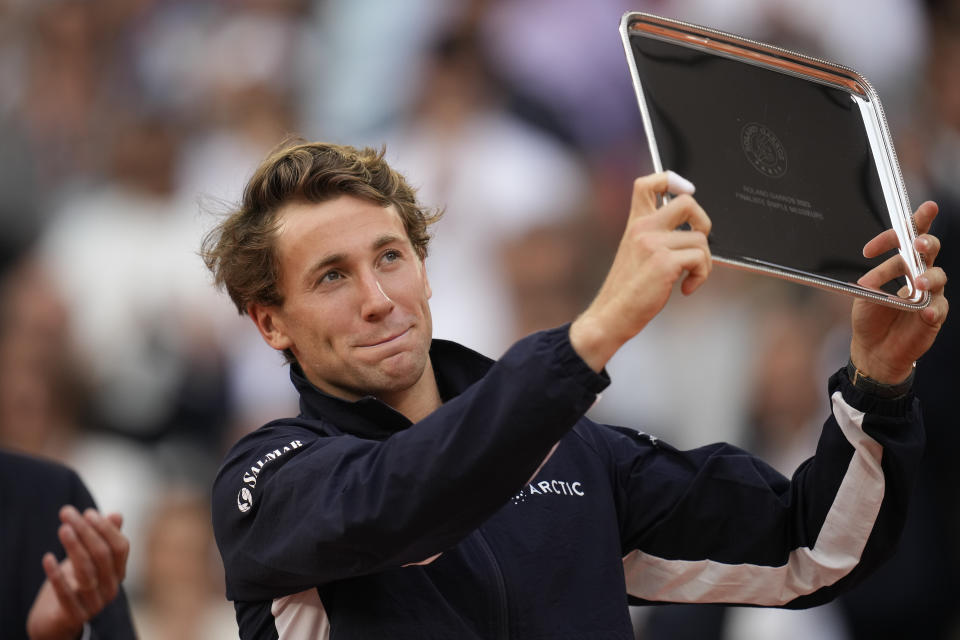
(270,324)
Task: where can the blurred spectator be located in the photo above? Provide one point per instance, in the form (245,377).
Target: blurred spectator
(240,128)
(42,394)
(496,177)
(21,212)
(123,256)
(44,540)
(141,312)
(182,597)
(44,402)
(845,32)
(703,342)
(929,143)
(565,68)
(792,340)
(549,273)
(242,80)
(245,124)
(349,90)
(190,56)
(915,594)
(943,93)
(59,100)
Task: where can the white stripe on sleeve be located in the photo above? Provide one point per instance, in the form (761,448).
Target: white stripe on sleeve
(836,552)
(301,615)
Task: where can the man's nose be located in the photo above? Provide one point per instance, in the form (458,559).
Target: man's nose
(376,302)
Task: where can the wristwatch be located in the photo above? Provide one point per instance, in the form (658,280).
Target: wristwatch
(870,386)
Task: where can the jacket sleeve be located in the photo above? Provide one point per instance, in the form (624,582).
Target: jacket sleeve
(716,524)
(328,508)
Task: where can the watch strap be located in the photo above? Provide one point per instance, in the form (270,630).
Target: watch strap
(872,387)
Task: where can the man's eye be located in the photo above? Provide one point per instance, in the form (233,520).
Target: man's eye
(330,276)
(391,256)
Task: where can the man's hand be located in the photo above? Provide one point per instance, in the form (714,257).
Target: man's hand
(653,255)
(80,586)
(886,341)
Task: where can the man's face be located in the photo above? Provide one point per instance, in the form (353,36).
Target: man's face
(355,311)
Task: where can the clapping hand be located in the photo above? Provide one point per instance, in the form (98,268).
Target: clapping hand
(80,586)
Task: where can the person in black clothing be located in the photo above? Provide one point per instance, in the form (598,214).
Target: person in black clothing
(61,562)
(425,491)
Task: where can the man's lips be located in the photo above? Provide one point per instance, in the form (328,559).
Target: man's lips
(387,340)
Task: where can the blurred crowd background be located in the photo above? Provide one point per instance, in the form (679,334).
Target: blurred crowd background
(128,126)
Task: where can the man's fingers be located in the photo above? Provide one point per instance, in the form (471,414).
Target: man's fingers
(892,267)
(887,240)
(924,216)
(109,529)
(881,243)
(84,571)
(645,193)
(648,189)
(694,260)
(697,270)
(58,582)
(94,546)
(93,600)
(677,239)
(936,312)
(928,246)
(684,209)
(116,519)
(933,280)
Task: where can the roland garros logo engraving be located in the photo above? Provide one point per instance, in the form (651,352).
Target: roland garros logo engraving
(764,150)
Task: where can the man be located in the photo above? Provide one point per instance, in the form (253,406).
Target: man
(81,596)
(427,492)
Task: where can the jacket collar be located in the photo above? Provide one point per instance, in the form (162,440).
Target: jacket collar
(454,366)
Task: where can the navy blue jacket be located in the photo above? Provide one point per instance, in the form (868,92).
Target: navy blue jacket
(351,522)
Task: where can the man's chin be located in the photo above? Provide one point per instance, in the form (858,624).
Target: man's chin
(391,370)
(401,371)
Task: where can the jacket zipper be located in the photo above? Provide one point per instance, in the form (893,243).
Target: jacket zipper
(501,624)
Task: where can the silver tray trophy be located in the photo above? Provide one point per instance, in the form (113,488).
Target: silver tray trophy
(791,155)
